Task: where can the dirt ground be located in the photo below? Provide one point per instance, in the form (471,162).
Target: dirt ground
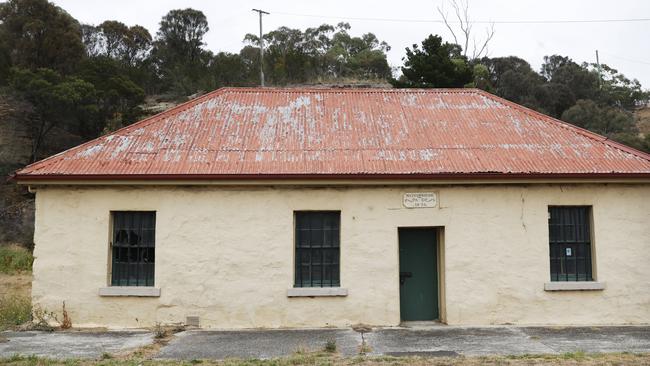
(19,284)
(323,358)
(644,120)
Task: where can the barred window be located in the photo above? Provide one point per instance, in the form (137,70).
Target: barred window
(133,248)
(317,248)
(570,243)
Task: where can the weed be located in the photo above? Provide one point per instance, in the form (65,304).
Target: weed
(106,356)
(14,310)
(67,322)
(42,319)
(159,331)
(14,259)
(364,348)
(330,345)
(578,355)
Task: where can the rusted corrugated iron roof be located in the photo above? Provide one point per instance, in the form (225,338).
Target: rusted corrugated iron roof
(271,133)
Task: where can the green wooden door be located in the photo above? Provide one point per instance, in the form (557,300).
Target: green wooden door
(418,274)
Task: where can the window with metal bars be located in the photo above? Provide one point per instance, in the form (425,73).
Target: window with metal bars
(317,240)
(133,248)
(570,243)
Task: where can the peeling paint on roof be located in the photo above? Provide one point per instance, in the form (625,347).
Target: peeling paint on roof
(275,132)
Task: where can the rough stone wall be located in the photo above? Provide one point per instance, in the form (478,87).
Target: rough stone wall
(226,255)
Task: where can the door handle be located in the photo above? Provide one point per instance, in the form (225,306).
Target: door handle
(403,276)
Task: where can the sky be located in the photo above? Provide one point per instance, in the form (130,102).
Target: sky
(622,45)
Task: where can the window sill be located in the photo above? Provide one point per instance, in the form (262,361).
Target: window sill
(316,291)
(134,291)
(574,286)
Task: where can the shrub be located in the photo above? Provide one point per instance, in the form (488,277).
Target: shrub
(14,310)
(14,259)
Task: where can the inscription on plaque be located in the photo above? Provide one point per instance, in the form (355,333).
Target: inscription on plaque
(420,199)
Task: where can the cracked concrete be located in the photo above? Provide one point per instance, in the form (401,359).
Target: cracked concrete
(261,344)
(63,345)
(425,341)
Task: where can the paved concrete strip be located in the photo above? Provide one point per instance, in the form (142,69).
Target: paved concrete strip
(261,344)
(63,345)
(593,339)
(463,341)
(428,341)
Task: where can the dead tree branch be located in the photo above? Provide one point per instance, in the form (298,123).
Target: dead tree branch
(464,28)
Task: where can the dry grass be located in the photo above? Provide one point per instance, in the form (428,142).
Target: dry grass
(325,358)
(15,259)
(15,300)
(643,121)
(17,284)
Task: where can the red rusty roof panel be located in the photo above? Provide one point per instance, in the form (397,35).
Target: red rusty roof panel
(253,132)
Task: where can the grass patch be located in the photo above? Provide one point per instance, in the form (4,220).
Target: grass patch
(325,358)
(15,309)
(14,259)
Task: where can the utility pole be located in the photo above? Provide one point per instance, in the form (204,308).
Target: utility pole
(261,12)
(598,65)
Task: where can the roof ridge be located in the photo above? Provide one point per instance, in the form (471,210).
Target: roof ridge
(589,134)
(141,123)
(345,90)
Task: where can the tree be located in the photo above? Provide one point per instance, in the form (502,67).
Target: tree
(117,96)
(324,52)
(435,65)
(465,29)
(177,54)
(616,89)
(130,45)
(363,57)
(606,121)
(66,102)
(181,35)
(37,34)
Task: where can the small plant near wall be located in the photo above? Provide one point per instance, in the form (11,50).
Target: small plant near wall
(159,332)
(330,345)
(66,323)
(41,319)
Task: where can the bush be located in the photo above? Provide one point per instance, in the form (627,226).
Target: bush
(14,310)
(15,259)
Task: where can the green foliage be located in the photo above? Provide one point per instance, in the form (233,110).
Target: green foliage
(38,34)
(598,99)
(178,56)
(330,345)
(324,52)
(14,310)
(15,260)
(435,65)
(113,39)
(602,120)
(66,102)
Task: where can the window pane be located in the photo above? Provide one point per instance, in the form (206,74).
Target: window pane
(317,248)
(133,248)
(570,243)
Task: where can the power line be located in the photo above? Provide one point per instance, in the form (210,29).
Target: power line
(627,59)
(402,20)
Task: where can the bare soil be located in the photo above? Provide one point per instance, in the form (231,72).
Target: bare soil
(643,121)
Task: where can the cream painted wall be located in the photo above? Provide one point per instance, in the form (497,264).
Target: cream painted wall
(226,254)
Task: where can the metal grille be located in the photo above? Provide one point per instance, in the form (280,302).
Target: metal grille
(317,249)
(133,248)
(570,243)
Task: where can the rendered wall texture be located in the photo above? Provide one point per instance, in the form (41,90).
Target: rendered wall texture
(226,254)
